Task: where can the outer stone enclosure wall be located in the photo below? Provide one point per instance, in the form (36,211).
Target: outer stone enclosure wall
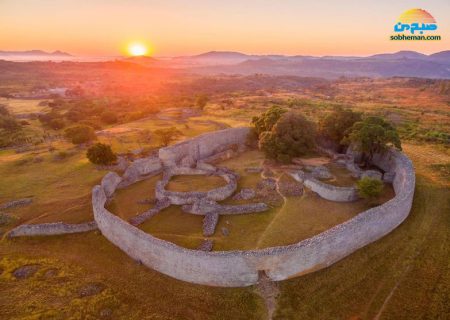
(240,268)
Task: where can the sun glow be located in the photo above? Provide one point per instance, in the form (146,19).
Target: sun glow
(137,49)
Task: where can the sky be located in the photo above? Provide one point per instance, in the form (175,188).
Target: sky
(177,27)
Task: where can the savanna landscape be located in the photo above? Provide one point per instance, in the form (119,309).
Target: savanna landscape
(313,123)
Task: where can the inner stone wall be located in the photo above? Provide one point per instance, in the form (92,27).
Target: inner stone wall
(203,146)
(241,268)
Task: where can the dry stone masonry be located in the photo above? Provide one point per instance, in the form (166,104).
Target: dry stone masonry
(242,268)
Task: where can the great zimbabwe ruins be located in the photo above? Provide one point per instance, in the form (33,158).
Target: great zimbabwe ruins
(275,186)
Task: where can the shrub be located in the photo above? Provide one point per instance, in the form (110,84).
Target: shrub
(101,154)
(109,117)
(370,188)
(56,124)
(291,136)
(166,136)
(80,134)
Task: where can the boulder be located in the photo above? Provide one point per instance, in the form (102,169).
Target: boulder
(110,182)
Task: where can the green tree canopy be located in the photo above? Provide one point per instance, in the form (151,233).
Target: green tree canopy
(101,154)
(291,136)
(80,134)
(372,135)
(334,125)
(267,120)
(201,101)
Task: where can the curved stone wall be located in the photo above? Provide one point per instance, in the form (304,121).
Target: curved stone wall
(330,192)
(202,146)
(241,268)
(180,198)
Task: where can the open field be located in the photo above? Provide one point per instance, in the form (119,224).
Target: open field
(404,275)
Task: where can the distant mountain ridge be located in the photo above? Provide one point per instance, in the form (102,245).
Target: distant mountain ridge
(402,63)
(35,53)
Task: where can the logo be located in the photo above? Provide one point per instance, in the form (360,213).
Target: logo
(415,24)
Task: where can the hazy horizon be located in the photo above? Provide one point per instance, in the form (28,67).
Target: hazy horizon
(177,28)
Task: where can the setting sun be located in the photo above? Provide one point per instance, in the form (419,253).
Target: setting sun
(137,49)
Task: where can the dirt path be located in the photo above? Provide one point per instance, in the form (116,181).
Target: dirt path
(268,290)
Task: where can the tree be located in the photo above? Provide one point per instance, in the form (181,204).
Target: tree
(109,117)
(80,134)
(372,135)
(167,135)
(267,120)
(291,136)
(101,154)
(201,101)
(9,124)
(369,188)
(334,125)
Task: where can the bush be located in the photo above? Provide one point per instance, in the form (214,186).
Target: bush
(109,117)
(101,154)
(370,188)
(56,124)
(166,136)
(291,136)
(80,134)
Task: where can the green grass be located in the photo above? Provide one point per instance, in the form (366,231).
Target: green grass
(18,106)
(407,271)
(299,218)
(186,183)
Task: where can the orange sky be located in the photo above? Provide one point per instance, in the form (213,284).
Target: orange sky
(106,27)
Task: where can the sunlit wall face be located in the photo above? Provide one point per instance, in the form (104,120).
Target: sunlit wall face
(177,27)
